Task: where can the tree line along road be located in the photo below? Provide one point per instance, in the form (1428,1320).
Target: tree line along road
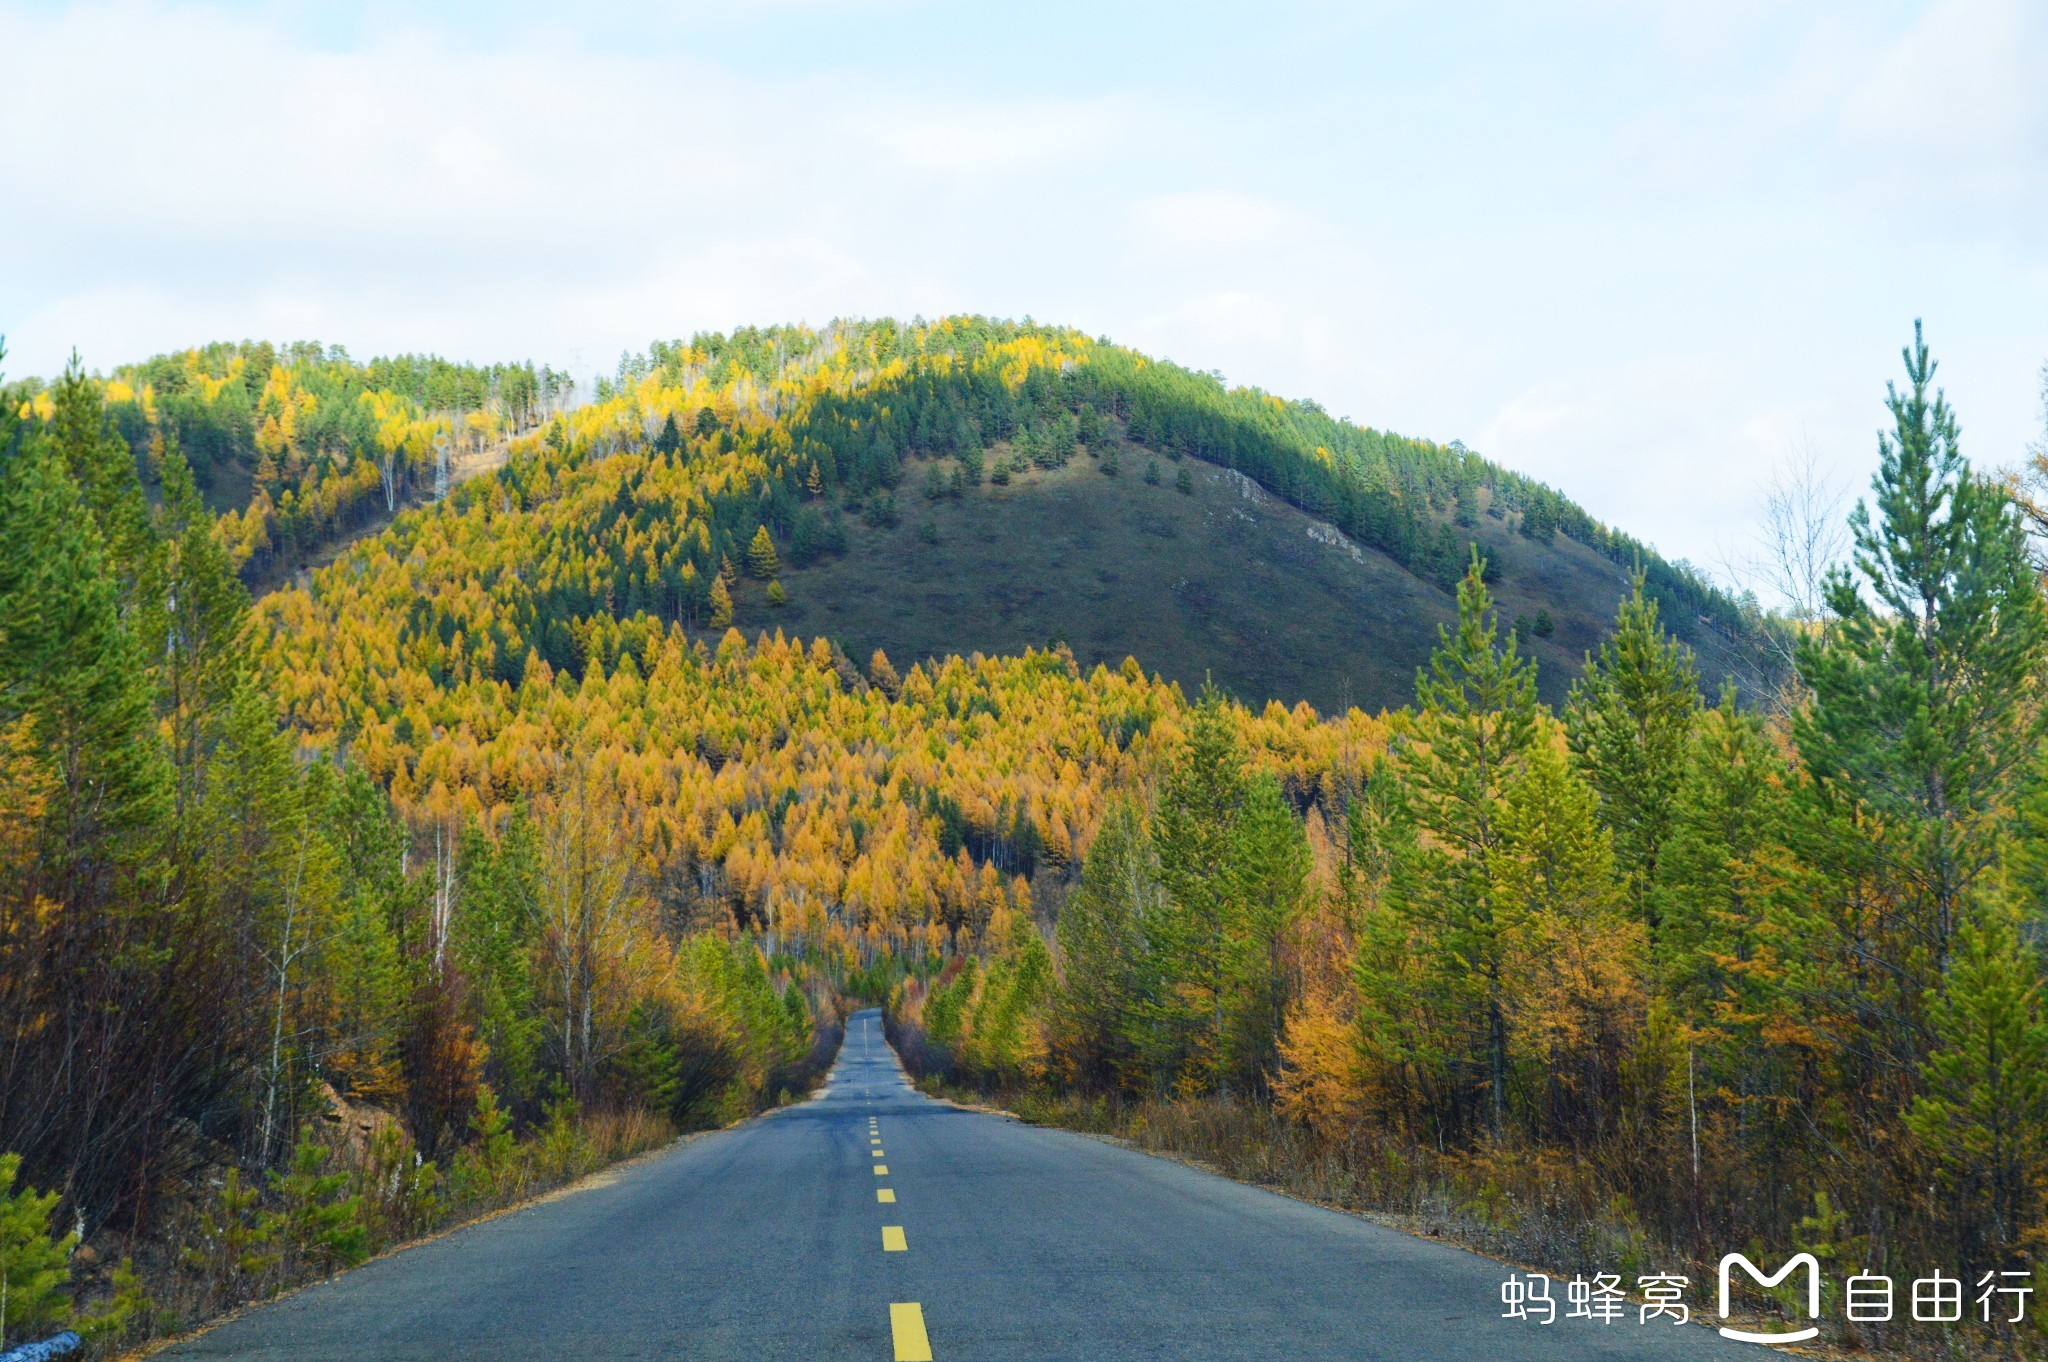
(874,1223)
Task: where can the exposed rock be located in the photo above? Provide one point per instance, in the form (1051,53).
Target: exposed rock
(358,1124)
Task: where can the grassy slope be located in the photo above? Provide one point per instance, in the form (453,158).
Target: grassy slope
(1218,582)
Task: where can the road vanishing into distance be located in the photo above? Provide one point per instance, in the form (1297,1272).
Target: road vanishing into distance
(872,1222)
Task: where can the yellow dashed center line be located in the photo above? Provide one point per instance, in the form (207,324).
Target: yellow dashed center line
(906,1318)
(906,1322)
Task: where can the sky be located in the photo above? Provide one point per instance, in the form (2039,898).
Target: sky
(1647,252)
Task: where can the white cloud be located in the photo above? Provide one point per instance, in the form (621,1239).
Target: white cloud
(1649,445)
(1963,80)
(225,166)
(1630,251)
(966,140)
(1205,223)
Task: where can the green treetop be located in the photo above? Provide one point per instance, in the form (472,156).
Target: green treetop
(1629,718)
(761,559)
(1924,708)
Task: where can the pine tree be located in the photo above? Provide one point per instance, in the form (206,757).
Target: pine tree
(1629,719)
(1102,949)
(1984,1113)
(1475,725)
(1184,482)
(1572,960)
(1194,831)
(69,668)
(320,1225)
(105,940)
(498,916)
(233,1233)
(199,621)
(721,604)
(34,1267)
(1739,955)
(761,559)
(1922,708)
(1722,863)
(1271,868)
(102,467)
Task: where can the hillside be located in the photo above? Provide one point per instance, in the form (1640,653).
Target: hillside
(933,489)
(940,488)
(937,490)
(300,449)
(1225,582)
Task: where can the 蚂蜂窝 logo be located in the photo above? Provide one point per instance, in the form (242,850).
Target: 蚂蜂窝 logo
(1805,1260)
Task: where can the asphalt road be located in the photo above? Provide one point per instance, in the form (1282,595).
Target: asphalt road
(874,1223)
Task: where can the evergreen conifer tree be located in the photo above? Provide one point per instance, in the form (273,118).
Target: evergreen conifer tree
(1194,831)
(1103,953)
(1272,862)
(196,624)
(721,604)
(1629,719)
(1923,712)
(34,1267)
(1475,723)
(761,559)
(1984,1113)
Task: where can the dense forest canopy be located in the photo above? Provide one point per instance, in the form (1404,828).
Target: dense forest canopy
(303,442)
(555,602)
(300,444)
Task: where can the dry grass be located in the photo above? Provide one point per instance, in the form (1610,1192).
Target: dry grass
(185,1299)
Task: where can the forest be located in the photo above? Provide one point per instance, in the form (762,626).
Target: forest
(494,849)
(303,445)
(1620,987)
(257,1026)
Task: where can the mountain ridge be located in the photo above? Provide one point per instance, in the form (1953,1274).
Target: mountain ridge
(822,438)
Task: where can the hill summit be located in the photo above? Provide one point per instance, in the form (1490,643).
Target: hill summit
(925,489)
